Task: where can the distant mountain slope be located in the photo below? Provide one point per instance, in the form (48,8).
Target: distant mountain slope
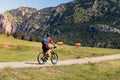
(91,22)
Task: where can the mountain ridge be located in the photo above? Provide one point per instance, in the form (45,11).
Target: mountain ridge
(72,19)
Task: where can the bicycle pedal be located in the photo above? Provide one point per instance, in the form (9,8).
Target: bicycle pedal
(44,60)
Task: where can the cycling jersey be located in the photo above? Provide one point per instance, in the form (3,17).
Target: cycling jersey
(46,41)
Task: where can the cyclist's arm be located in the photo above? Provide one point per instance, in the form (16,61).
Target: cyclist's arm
(53,43)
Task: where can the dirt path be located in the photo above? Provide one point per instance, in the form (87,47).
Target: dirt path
(27,64)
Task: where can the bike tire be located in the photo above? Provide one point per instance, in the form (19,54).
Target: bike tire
(54,58)
(39,58)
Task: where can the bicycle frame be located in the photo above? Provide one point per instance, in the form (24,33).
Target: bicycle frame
(51,50)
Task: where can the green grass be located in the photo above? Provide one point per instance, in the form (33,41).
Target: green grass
(24,53)
(28,51)
(12,41)
(67,52)
(108,70)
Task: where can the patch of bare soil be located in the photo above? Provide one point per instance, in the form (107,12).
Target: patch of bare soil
(7,46)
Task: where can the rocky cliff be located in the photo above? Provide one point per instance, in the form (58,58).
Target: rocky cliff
(79,17)
(8,23)
(28,20)
(11,20)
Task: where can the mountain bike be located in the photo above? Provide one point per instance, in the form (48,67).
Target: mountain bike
(50,53)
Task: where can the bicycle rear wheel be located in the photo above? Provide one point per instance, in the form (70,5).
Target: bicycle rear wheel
(54,58)
(40,58)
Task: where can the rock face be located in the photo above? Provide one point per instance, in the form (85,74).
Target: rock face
(72,19)
(28,20)
(104,28)
(22,13)
(8,23)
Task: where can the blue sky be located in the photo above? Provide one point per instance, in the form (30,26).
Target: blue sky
(38,4)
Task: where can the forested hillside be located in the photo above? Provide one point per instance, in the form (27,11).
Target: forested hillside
(93,23)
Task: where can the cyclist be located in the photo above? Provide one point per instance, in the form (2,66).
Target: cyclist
(45,44)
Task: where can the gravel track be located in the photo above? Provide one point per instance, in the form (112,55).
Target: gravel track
(28,64)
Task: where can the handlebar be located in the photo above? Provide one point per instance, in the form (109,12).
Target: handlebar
(53,47)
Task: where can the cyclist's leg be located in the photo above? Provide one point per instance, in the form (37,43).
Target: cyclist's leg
(44,52)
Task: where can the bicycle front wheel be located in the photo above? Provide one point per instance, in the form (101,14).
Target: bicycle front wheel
(40,58)
(54,58)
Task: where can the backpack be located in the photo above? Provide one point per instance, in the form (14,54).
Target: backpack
(45,40)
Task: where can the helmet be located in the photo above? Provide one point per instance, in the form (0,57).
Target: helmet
(48,34)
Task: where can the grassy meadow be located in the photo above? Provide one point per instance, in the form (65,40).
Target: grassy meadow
(19,50)
(12,49)
(107,70)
